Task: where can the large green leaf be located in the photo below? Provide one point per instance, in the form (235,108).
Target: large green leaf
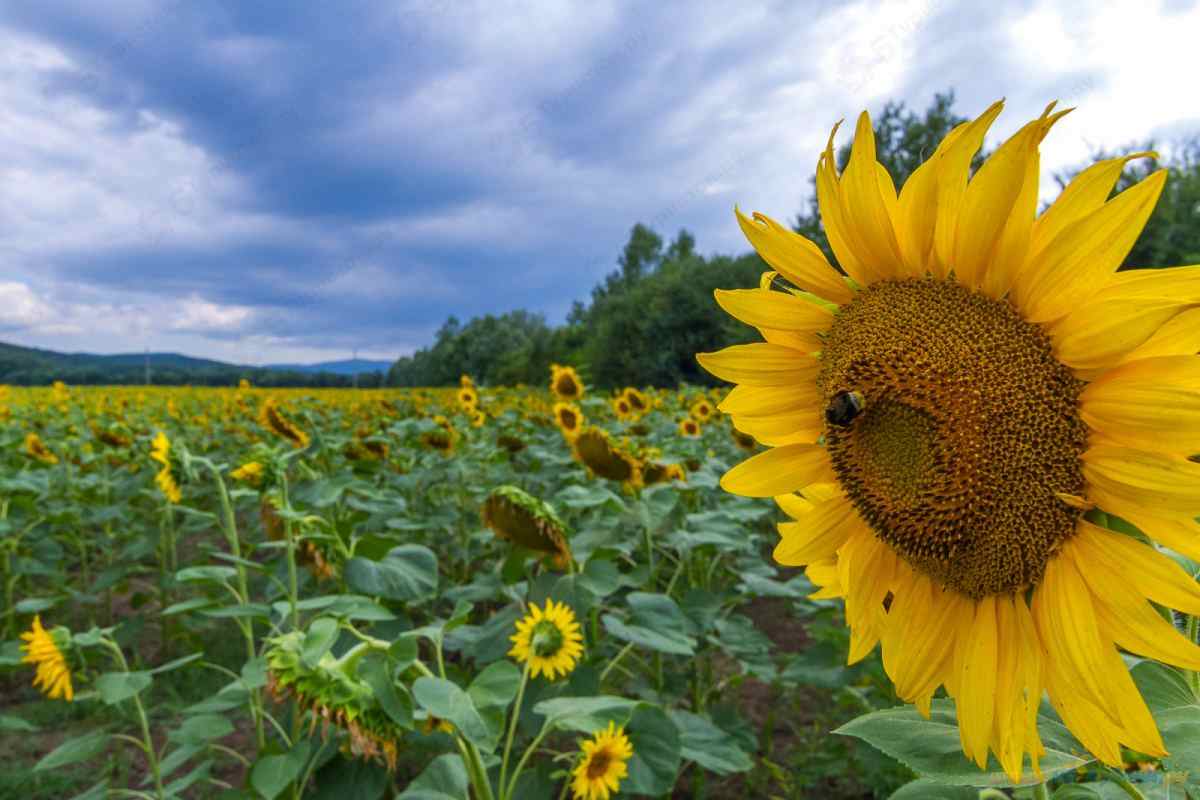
(377,670)
(408,573)
(322,633)
(925,789)
(447,700)
(709,746)
(656,752)
(270,775)
(932,749)
(444,779)
(585,714)
(1176,710)
(656,623)
(496,685)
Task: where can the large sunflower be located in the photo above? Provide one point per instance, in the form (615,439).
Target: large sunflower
(982,379)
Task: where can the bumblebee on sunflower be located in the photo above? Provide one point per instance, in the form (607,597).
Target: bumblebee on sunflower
(953,407)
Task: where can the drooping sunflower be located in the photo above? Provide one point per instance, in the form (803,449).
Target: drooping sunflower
(45,649)
(517,516)
(565,383)
(569,418)
(36,449)
(595,449)
(160,451)
(251,472)
(272,418)
(602,765)
(955,406)
(548,640)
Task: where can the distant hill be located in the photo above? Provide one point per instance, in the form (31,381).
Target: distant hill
(354,366)
(34,366)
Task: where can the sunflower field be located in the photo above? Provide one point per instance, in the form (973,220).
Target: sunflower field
(939,541)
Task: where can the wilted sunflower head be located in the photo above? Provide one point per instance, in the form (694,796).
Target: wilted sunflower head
(36,449)
(569,419)
(655,472)
(519,517)
(270,416)
(333,695)
(981,377)
(510,443)
(565,383)
(46,649)
(596,451)
(548,640)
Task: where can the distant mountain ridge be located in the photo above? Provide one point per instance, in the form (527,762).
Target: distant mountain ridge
(32,365)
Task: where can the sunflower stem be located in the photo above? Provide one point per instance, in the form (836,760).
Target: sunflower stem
(1120,780)
(1193,634)
(1041,791)
(512,728)
(507,792)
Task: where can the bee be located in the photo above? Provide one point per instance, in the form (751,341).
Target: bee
(844,407)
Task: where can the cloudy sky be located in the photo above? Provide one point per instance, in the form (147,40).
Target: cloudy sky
(278,181)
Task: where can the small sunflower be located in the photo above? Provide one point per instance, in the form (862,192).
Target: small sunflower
(468,399)
(951,410)
(623,409)
(743,440)
(702,410)
(565,383)
(465,381)
(689,427)
(602,765)
(160,451)
(251,472)
(272,418)
(569,419)
(45,649)
(637,401)
(654,472)
(548,640)
(595,450)
(36,449)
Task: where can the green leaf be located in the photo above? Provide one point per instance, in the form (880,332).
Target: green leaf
(585,714)
(201,728)
(213,573)
(444,779)
(709,746)
(174,664)
(657,623)
(1079,791)
(74,750)
(656,752)
(11,723)
(114,687)
(97,791)
(377,670)
(407,573)
(932,749)
(924,789)
(1180,729)
(447,700)
(272,774)
(1162,687)
(349,779)
(496,685)
(322,633)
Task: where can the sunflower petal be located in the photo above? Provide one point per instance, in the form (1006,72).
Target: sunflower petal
(795,258)
(1154,575)
(819,534)
(1101,332)
(1153,404)
(760,364)
(952,171)
(776,310)
(867,207)
(779,470)
(1163,484)
(765,401)
(1079,259)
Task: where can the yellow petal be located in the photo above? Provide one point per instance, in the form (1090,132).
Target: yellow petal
(977,682)
(1165,485)
(819,534)
(776,310)
(953,168)
(1082,258)
(837,223)
(1100,332)
(760,364)
(867,208)
(1086,192)
(1152,574)
(1152,404)
(1180,535)
(795,258)
(1178,336)
(779,470)
(805,426)
(765,401)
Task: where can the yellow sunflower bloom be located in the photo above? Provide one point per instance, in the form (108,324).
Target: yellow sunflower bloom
(689,427)
(983,378)
(251,472)
(569,419)
(270,417)
(565,383)
(702,410)
(598,774)
(548,640)
(53,676)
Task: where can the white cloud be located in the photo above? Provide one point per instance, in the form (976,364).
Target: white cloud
(20,308)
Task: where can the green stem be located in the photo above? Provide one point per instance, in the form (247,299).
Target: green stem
(151,755)
(1118,777)
(1193,635)
(512,727)
(529,751)
(475,770)
(992,794)
(616,659)
(290,535)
